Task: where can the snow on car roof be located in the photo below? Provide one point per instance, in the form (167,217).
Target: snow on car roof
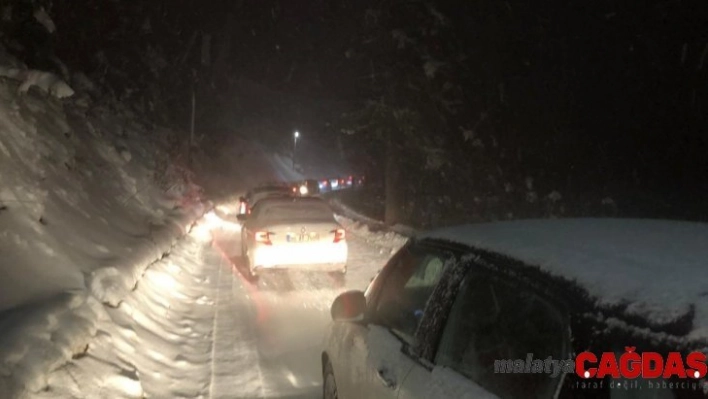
(659,267)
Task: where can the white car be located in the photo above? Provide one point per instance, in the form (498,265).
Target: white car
(475,311)
(297,233)
(262,192)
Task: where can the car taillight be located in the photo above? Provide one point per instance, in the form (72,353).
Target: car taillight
(339,235)
(263,237)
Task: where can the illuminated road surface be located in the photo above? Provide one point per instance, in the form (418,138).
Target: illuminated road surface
(268,335)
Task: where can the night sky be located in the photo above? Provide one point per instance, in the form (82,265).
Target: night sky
(590,98)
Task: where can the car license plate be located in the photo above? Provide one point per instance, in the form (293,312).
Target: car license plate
(302,237)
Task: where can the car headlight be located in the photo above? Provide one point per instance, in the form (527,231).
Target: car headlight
(303,190)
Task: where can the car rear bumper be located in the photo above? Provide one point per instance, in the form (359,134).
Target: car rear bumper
(329,257)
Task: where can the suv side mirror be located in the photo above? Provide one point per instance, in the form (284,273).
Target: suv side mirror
(349,306)
(242,217)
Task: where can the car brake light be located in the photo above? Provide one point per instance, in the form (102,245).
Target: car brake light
(263,237)
(339,235)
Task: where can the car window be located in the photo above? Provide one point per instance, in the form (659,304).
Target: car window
(297,211)
(492,324)
(405,289)
(374,289)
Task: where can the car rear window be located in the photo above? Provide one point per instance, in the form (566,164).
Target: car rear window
(296,211)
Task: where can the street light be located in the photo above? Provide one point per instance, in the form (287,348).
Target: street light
(296,136)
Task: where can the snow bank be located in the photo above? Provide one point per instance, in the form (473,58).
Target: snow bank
(389,240)
(373,224)
(156,343)
(81,211)
(38,338)
(45,81)
(374,233)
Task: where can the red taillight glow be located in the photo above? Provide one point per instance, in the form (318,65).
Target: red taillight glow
(339,235)
(263,237)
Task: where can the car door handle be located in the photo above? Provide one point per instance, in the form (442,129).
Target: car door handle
(385,380)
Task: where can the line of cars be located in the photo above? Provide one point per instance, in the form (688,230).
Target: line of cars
(320,186)
(303,188)
(340,183)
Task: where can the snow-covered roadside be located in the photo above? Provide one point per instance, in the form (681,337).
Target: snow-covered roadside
(157,342)
(390,241)
(373,224)
(372,231)
(82,214)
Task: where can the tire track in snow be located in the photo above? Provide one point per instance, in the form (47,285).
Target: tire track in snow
(235,364)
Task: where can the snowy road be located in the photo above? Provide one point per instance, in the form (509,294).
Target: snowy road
(196,328)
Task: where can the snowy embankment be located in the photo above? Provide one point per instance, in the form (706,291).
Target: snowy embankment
(87,202)
(372,231)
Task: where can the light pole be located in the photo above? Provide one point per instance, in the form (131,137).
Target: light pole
(296,136)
